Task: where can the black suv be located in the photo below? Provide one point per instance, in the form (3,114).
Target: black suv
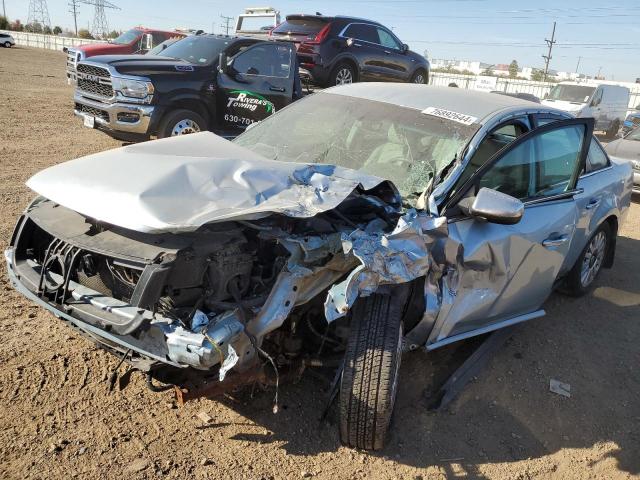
(339,50)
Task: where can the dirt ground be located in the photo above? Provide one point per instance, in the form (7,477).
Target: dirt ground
(57,419)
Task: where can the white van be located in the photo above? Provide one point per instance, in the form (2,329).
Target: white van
(608,104)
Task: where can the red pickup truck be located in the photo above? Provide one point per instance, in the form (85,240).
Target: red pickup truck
(136,40)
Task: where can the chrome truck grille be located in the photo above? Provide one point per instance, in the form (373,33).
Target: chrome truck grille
(96,81)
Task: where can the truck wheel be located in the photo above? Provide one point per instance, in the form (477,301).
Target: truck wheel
(370,377)
(181,122)
(342,74)
(589,263)
(611,133)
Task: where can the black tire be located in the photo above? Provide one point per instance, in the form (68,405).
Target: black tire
(370,377)
(7,45)
(574,283)
(420,77)
(615,127)
(179,121)
(340,73)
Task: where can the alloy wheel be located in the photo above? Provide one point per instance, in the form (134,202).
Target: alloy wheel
(593,258)
(185,127)
(418,78)
(344,76)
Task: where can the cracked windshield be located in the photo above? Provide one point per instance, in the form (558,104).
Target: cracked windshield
(397,143)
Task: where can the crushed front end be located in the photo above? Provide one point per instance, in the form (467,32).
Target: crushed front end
(214,299)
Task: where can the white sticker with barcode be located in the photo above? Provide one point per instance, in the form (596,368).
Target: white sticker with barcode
(449,115)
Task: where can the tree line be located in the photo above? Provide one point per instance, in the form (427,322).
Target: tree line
(35,27)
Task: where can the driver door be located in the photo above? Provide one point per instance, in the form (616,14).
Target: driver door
(259,81)
(502,274)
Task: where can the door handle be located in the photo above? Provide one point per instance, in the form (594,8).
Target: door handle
(593,203)
(357,44)
(277,89)
(387,52)
(555,241)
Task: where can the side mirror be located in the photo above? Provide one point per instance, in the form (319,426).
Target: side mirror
(223,66)
(405,48)
(494,207)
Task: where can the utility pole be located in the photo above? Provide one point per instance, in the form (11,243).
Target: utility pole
(74,11)
(599,70)
(578,65)
(548,57)
(4,10)
(227,21)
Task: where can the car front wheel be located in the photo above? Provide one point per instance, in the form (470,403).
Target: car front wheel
(181,122)
(419,77)
(583,274)
(370,377)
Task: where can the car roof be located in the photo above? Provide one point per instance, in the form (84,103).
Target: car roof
(329,18)
(468,102)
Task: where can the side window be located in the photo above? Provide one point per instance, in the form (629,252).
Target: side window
(361,31)
(541,166)
(264,60)
(158,38)
(596,158)
(387,40)
(492,144)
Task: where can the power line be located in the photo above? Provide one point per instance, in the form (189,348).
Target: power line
(39,13)
(74,11)
(100,26)
(227,21)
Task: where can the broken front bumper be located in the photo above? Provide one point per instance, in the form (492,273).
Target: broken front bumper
(96,316)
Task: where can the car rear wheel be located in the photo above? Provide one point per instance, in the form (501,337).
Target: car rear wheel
(583,274)
(419,77)
(181,122)
(370,377)
(342,74)
(7,44)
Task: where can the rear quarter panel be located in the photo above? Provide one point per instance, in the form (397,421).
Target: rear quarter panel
(611,187)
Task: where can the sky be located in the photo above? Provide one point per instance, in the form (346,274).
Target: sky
(591,36)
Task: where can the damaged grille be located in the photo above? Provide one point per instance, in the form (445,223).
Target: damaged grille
(106,275)
(94,80)
(96,112)
(635,120)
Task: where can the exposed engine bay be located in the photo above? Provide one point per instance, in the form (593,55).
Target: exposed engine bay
(215,296)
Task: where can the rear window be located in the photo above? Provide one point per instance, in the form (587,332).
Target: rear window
(301,26)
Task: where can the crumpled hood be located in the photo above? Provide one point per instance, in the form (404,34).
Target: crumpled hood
(181,183)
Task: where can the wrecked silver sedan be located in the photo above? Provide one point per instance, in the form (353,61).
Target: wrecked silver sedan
(358,223)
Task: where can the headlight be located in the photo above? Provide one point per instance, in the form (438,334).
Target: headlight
(132,88)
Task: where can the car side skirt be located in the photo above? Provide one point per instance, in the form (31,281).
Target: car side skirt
(487,329)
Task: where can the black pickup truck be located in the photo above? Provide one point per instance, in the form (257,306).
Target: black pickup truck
(203,82)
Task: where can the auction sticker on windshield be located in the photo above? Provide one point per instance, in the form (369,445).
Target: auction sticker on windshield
(449,115)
